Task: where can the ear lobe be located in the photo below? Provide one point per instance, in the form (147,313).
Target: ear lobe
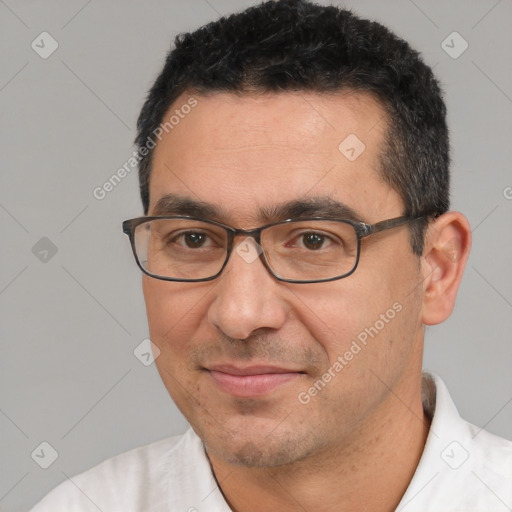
(447,246)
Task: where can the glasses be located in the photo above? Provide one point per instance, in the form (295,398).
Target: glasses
(313,250)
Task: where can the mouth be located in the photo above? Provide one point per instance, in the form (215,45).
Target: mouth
(251,381)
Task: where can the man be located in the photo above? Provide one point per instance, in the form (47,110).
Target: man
(296,242)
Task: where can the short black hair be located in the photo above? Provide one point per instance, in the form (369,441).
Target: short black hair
(296,45)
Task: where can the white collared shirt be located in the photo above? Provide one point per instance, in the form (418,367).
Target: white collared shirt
(462,468)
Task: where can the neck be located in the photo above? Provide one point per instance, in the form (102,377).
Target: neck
(370,471)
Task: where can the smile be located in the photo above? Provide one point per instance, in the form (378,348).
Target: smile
(252,381)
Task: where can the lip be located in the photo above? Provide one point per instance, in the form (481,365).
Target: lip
(251,381)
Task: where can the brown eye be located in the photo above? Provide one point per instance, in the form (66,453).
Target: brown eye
(194,240)
(313,241)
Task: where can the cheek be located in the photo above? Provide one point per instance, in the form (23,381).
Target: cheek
(334,313)
(371,309)
(175,312)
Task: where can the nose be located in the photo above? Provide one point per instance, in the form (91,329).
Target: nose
(247,296)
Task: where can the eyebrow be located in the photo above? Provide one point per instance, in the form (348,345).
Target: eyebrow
(172,204)
(313,207)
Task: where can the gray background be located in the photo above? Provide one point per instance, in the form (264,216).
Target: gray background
(71,321)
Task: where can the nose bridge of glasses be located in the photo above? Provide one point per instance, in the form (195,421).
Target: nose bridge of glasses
(248,248)
(255,234)
(245,246)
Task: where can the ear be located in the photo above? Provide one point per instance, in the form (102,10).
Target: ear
(446,251)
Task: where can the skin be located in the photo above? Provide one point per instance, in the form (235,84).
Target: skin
(245,154)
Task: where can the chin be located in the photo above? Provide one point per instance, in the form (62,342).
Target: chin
(254,448)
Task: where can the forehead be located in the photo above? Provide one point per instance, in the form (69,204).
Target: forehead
(248,153)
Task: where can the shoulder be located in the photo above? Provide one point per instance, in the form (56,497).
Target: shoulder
(470,450)
(492,456)
(122,482)
(463,467)
(484,451)
(477,469)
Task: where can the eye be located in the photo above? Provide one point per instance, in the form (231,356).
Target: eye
(313,241)
(192,239)
(195,239)
(310,241)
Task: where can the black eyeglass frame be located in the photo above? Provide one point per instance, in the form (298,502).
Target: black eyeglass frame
(362,230)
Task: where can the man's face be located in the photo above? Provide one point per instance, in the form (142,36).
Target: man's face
(239,354)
